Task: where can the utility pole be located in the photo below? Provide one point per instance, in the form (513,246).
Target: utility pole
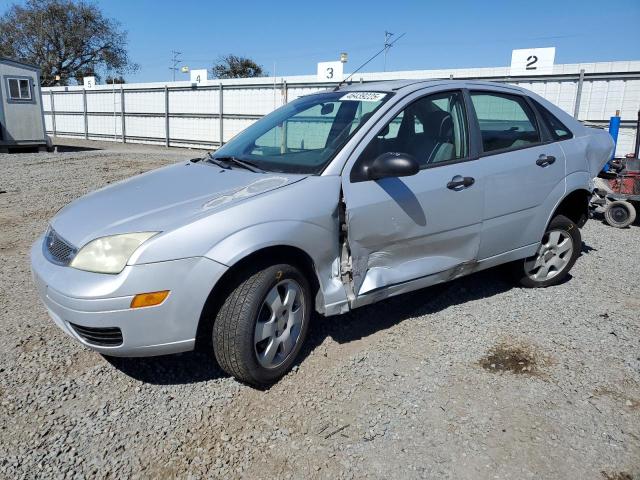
(175,62)
(387,46)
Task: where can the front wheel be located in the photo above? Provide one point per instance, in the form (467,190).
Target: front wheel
(558,251)
(259,330)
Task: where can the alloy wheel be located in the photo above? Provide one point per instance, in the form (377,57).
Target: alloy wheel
(279,323)
(553,255)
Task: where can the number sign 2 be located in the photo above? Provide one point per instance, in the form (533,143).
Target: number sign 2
(532,61)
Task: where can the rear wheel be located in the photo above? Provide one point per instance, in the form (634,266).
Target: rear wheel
(558,251)
(619,214)
(259,330)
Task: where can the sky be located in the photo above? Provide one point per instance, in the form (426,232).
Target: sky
(290,37)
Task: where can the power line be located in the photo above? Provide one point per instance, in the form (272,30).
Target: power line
(387,46)
(176,61)
(366,63)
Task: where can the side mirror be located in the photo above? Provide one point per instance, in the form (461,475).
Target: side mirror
(326,108)
(392,164)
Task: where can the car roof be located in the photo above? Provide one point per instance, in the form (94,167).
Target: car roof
(407,86)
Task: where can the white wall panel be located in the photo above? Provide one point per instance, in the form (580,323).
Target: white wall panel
(70,123)
(194,101)
(255,101)
(614,97)
(145,126)
(144,102)
(68,102)
(105,125)
(104,102)
(567,96)
(196,129)
(46,101)
(631,101)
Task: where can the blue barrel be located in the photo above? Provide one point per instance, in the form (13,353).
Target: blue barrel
(614,129)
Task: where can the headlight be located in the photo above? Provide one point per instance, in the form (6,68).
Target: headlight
(109,254)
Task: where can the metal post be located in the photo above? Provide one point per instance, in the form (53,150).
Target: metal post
(115,118)
(86,120)
(637,149)
(221,114)
(122,121)
(166,116)
(53,114)
(576,108)
(285,125)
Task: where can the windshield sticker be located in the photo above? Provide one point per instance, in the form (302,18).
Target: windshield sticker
(363,96)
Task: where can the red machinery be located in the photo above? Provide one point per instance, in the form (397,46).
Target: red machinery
(618,187)
(620,195)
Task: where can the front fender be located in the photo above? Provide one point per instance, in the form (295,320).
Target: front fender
(318,242)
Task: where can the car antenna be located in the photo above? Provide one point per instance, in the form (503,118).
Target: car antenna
(386,47)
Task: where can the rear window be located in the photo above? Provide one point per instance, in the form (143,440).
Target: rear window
(558,130)
(506,121)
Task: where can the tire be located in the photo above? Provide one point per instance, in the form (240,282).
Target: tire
(259,306)
(559,248)
(619,214)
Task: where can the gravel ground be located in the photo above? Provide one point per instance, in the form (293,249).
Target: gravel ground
(474,379)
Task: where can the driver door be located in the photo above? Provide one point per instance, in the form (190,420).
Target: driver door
(410,232)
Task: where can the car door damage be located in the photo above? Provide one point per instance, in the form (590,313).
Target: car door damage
(346,260)
(371,274)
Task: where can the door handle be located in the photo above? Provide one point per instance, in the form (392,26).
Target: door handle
(545,160)
(459,182)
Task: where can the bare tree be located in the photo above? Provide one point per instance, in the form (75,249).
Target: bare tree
(232,66)
(65,38)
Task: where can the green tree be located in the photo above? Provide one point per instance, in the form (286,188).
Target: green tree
(232,66)
(65,38)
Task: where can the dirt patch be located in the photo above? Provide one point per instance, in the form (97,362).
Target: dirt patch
(616,476)
(630,403)
(518,359)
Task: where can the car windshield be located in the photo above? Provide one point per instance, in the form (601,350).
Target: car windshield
(304,135)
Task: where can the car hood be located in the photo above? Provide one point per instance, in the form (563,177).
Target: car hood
(161,199)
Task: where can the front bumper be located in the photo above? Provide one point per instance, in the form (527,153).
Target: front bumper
(101,301)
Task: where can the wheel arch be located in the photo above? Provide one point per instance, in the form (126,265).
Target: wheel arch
(255,260)
(574,206)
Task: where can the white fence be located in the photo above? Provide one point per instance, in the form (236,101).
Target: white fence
(209,114)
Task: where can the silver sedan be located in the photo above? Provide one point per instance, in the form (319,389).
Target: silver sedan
(337,200)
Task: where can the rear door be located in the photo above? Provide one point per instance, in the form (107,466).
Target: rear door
(522,167)
(422,226)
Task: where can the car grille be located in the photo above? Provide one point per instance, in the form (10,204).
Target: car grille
(104,337)
(57,249)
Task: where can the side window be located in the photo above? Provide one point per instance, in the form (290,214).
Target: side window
(557,128)
(433,129)
(506,121)
(19,89)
